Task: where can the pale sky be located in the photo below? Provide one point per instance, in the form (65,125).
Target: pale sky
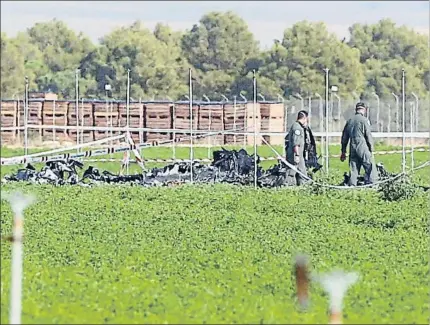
(266,19)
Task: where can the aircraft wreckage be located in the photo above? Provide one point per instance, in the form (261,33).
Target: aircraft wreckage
(228,166)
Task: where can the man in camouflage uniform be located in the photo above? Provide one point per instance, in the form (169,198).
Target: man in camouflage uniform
(357,132)
(296,145)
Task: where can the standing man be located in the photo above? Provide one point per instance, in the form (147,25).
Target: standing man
(296,145)
(357,132)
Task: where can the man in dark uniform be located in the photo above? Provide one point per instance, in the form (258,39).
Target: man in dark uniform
(296,145)
(357,132)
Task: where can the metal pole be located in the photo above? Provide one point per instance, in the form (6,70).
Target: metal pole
(26,117)
(245,120)
(174,132)
(321,118)
(255,127)
(417,123)
(140,122)
(285,121)
(415,127)
(82,119)
(111,119)
(107,110)
(210,129)
(234,119)
(209,126)
(128,115)
(397,111)
(17,265)
(128,100)
(53,121)
(310,110)
(326,118)
(403,123)
(191,127)
(77,106)
(411,114)
(377,110)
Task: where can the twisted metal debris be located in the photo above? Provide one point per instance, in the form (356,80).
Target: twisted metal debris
(228,166)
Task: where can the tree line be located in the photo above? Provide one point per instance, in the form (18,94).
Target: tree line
(222,53)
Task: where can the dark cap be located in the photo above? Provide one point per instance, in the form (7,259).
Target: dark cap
(360,105)
(302,114)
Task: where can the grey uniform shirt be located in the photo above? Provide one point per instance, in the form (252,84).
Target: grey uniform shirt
(296,137)
(357,133)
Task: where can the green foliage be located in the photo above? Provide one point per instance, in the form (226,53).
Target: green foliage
(400,189)
(12,67)
(385,49)
(306,49)
(219,47)
(222,53)
(214,254)
(155,65)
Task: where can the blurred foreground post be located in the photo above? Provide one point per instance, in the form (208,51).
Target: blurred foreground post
(336,285)
(18,203)
(302,280)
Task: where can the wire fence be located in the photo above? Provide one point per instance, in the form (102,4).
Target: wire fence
(385,114)
(53,120)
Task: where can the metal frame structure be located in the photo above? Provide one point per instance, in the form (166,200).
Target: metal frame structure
(324,133)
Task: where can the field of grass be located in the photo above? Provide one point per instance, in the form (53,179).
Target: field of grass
(216,253)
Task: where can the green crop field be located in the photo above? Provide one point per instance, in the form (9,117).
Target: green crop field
(217,253)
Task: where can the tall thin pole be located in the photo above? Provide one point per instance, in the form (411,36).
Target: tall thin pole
(128,100)
(128,114)
(107,111)
(284,150)
(26,117)
(210,130)
(16,286)
(415,124)
(174,132)
(191,126)
(403,123)
(326,118)
(111,119)
(18,203)
(411,114)
(53,121)
(77,106)
(234,119)
(254,79)
(321,119)
(245,121)
(82,119)
(416,112)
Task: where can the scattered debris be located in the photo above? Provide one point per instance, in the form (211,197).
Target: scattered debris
(228,166)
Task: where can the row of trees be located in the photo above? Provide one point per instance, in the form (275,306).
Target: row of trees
(222,53)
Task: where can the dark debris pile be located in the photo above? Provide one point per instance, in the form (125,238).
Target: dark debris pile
(228,166)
